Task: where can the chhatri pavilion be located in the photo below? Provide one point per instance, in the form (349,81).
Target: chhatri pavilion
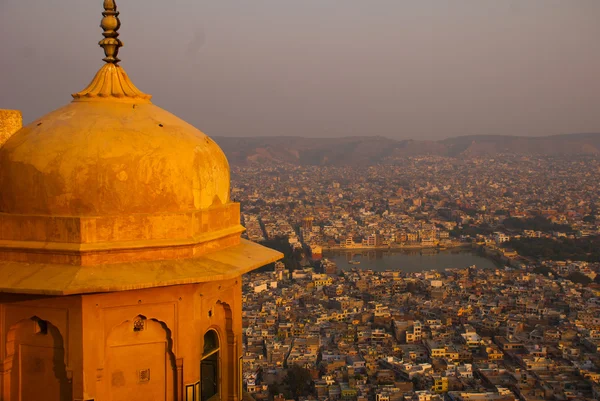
(121,257)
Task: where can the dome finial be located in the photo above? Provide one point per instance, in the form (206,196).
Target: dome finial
(111,82)
(110,23)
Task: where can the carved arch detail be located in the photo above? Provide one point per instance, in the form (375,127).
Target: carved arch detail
(140,317)
(25,332)
(140,331)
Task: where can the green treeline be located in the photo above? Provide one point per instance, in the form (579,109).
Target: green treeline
(537,223)
(584,249)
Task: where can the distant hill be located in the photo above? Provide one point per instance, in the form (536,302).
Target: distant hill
(572,144)
(377,149)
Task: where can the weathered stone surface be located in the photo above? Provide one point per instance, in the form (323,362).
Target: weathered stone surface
(10,122)
(93,158)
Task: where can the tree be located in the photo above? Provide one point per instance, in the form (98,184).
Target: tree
(589,218)
(299,381)
(537,223)
(586,248)
(542,270)
(579,278)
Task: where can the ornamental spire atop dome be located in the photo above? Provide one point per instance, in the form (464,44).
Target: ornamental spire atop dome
(111,24)
(111,81)
(113,193)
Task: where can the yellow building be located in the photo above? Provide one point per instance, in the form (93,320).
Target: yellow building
(440,384)
(493,352)
(436,350)
(322,282)
(120,251)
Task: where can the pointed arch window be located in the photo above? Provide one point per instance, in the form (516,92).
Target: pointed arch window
(209,368)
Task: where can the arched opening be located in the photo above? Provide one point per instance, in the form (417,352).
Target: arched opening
(209,367)
(139,362)
(35,365)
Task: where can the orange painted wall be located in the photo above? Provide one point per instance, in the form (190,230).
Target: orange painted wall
(120,345)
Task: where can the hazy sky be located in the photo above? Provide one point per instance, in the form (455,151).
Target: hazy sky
(399,68)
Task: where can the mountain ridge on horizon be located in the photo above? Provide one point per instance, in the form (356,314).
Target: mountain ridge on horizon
(367,150)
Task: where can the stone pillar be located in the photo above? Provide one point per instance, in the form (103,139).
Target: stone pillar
(10,122)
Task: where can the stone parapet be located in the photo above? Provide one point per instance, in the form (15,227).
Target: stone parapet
(10,122)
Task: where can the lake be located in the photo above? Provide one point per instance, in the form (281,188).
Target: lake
(407,260)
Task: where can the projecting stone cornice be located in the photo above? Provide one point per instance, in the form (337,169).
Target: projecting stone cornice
(57,279)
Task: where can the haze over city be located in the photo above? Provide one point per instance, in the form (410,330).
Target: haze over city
(395,201)
(401,69)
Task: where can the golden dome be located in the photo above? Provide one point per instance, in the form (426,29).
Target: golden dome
(99,157)
(112,172)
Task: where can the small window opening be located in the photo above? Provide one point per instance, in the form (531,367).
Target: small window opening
(138,325)
(209,368)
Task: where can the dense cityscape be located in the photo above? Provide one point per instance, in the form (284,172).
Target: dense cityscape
(528,329)
(300,201)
